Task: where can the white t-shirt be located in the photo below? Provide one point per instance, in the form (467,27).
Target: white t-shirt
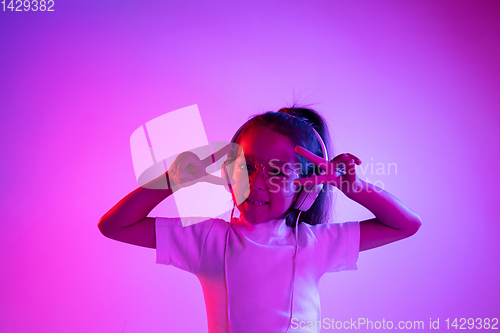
(259,275)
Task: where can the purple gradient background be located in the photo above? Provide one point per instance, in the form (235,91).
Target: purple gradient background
(409,82)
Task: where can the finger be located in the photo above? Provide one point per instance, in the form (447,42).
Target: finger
(178,160)
(341,158)
(319,161)
(356,160)
(313,180)
(217,155)
(341,169)
(189,159)
(345,159)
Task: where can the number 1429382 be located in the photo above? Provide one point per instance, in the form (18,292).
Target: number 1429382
(28,5)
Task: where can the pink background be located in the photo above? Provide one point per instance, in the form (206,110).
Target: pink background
(408,82)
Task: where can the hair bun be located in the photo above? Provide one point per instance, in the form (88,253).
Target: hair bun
(308,116)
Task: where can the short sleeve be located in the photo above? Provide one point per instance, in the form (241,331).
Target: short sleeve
(339,245)
(181,246)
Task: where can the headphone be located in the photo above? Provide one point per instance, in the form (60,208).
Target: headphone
(309,193)
(304,201)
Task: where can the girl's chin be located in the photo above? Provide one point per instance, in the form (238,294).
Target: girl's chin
(252,211)
(251,205)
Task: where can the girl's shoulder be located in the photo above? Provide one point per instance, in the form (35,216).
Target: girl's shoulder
(190,222)
(327,229)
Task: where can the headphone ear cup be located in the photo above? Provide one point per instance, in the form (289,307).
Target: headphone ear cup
(307,196)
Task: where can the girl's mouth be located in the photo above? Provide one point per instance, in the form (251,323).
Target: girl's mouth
(257,202)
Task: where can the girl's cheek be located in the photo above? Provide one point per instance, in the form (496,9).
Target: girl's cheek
(240,194)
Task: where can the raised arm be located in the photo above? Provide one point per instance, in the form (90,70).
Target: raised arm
(127,221)
(393,220)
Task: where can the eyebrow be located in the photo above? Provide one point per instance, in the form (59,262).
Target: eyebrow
(290,165)
(274,159)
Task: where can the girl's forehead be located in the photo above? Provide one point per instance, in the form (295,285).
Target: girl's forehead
(265,144)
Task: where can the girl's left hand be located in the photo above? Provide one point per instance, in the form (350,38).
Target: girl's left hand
(340,171)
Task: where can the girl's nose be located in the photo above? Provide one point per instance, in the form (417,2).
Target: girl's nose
(257,179)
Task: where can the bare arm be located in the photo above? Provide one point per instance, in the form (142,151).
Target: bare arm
(127,221)
(393,220)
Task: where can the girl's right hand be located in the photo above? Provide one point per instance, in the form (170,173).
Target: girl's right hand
(188,169)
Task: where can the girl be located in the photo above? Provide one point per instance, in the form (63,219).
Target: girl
(260,272)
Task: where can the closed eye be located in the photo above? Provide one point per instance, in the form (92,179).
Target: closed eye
(277,171)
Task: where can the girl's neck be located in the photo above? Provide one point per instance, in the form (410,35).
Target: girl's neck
(264,232)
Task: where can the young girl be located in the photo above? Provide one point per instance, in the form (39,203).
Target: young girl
(260,272)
